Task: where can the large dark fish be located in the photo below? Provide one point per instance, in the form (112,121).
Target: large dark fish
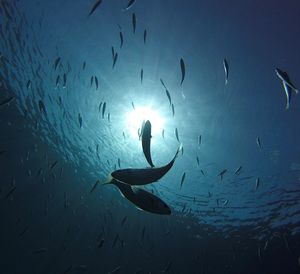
(141,176)
(182,67)
(133,22)
(226,70)
(95,6)
(143,199)
(145,36)
(130,4)
(7,100)
(146,142)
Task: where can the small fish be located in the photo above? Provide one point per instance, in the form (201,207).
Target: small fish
(124,135)
(258,142)
(99,108)
(80,120)
(285,78)
(132,105)
(115,60)
(119,163)
(56,62)
(163,133)
(146,142)
(145,36)
(101,243)
(113,53)
(95,6)
(53,165)
(94,186)
(237,171)
(162,82)
(141,176)
(173,110)
(168,267)
(130,4)
(142,199)
(142,75)
(6,101)
(103,109)
(123,220)
(40,250)
(57,81)
(221,174)
(115,241)
(28,85)
(199,140)
(64,80)
(10,192)
(108,117)
(182,179)
(176,134)
(182,67)
(226,70)
(96,82)
(133,22)
(257,183)
(121,39)
(197,159)
(169,97)
(92,80)
(42,107)
(116,270)
(83,65)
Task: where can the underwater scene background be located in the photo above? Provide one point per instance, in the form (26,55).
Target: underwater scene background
(78,78)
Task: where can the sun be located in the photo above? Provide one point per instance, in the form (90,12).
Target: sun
(135,118)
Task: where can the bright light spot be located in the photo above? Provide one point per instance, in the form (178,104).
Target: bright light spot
(135,118)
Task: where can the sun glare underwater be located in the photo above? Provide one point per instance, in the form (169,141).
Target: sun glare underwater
(149,136)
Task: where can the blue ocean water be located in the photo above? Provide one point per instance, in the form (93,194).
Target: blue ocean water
(237,209)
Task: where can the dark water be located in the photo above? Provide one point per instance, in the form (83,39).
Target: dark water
(55,143)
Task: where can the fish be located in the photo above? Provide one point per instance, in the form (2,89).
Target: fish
(10,192)
(28,85)
(94,186)
(288,90)
(56,62)
(146,142)
(182,67)
(163,133)
(115,60)
(141,176)
(92,80)
(226,70)
(113,52)
(99,108)
(119,163)
(42,107)
(168,267)
(6,101)
(257,183)
(108,117)
(95,6)
(258,142)
(96,82)
(182,179)
(121,39)
(53,165)
(83,65)
(103,109)
(145,36)
(130,4)
(123,220)
(197,159)
(40,250)
(142,199)
(80,120)
(57,81)
(221,174)
(285,78)
(142,75)
(173,110)
(163,83)
(65,80)
(199,140)
(133,22)
(237,171)
(132,105)
(176,134)
(116,270)
(115,241)
(101,243)
(169,97)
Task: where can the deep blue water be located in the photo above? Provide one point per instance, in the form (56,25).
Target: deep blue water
(246,222)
